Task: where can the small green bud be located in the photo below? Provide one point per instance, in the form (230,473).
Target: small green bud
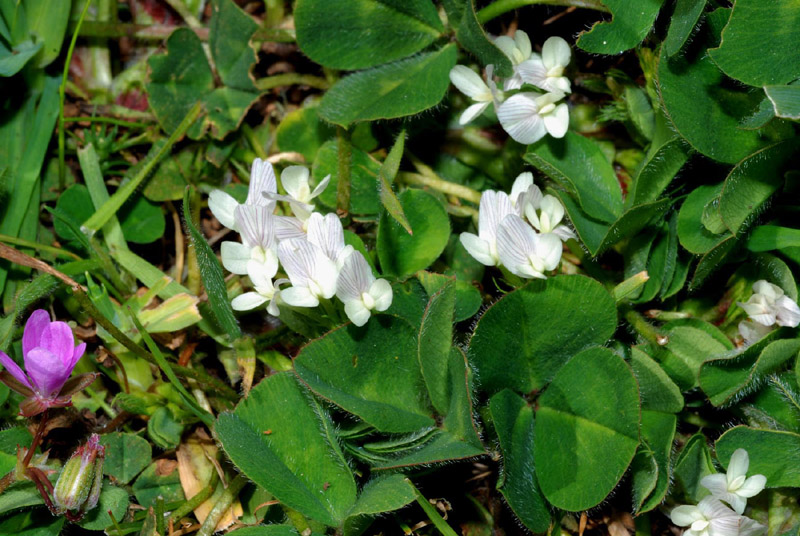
(78,486)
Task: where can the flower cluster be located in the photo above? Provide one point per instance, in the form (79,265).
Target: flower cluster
(49,354)
(307,245)
(767,307)
(521,231)
(526,115)
(711,517)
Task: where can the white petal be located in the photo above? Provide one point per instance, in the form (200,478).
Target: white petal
(478,248)
(788,312)
(255,225)
(515,241)
(299,297)
(222,206)
(551,206)
(295,181)
(272,307)
(555,52)
(549,249)
(356,312)
(262,179)
(752,486)
(533,71)
(508,46)
(321,186)
(725,526)
(247,301)
(519,117)
(355,278)
(470,83)
(749,527)
(520,186)
(558,83)
(557,122)
(288,227)
(297,257)
(523,43)
(234,257)
(327,233)
(752,331)
(472,112)
(564,233)
(768,290)
(325,274)
(712,509)
(493,209)
(738,465)
(514,82)
(717,484)
(685,515)
(737,502)
(381,292)
(261,275)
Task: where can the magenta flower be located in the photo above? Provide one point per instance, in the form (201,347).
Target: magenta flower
(50,354)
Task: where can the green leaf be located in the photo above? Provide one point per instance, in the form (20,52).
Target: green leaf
(266,530)
(744,55)
(684,19)
(579,165)
(513,422)
(441,447)
(468,301)
(587,429)
(364,33)
(692,464)
(386,347)
(664,159)
(226,108)
(435,340)
(113,501)
(776,405)
(213,279)
(693,82)
(48,23)
(403,254)
(768,453)
(690,342)
(31,523)
(771,237)
(724,377)
(398,89)
(658,433)
(523,340)
(93,176)
(263,437)
(363,178)
(229,33)
(386,178)
(658,392)
(75,205)
(142,221)
(378,496)
(752,182)
(302,131)
(693,235)
(630,24)
(164,429)
(126,456)
(471,36)
(785,100)
(712,260)
(12,61)
(153,483)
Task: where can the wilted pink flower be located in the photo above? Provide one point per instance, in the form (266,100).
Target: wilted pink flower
(50,354)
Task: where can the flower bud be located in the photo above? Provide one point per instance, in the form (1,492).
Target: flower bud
(78,486)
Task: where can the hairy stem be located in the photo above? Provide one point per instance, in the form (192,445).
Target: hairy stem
(495,9)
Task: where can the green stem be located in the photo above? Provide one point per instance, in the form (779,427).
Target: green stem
(440,185)
(291,79)
(62,165)
(343,169)
(98,398)
(643,327)
(112,206)
(221,506)
(37,246)
(157,32)
(201,497)
(109,120)
(497,8)
(441,525)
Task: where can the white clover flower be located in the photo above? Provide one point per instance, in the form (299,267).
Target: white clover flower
(326,232)
(312,273)
(255,223)
(767,307)
(524,252)
(517,49)
(712,518)
(546,71)
(262,181)
(734,487)
(494,207)
(524,192)
(472,85)
(752,331)
(527,117)
(360,292)
(546,216)
(264,292)
(295,180)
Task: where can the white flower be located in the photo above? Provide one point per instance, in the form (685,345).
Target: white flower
(734,487)
(545,214)
(766,307)
(312,273)
(517,49)
(262,181)
(360,292)
(752,331)
(264,292)
(524,192)
(524,252)
(494,207)
(527,117)
(712,518)
(295,180)
(326,232)
(546,71)
(255,223)
(472,85)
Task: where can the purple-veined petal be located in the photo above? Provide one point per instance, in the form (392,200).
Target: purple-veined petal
(533,71)
(515,241)
(297,257)
(750,527)
(288,227)
(355,278)
(712,508)
(788,312)
(46,370)
(494,207)
(36,325)
(255,225)
(262,179)
(326,232)
(519,117)
(12,368)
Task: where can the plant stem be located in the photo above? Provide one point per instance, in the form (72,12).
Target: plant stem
(37,246)
(343,172)
(221,506)
(291,79)
(441,525)
(196,500)
(497,8)
(37,438)
(643,327)
(109,120)
(441,185)
(157,32)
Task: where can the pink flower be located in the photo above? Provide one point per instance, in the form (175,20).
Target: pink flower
(50,354)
